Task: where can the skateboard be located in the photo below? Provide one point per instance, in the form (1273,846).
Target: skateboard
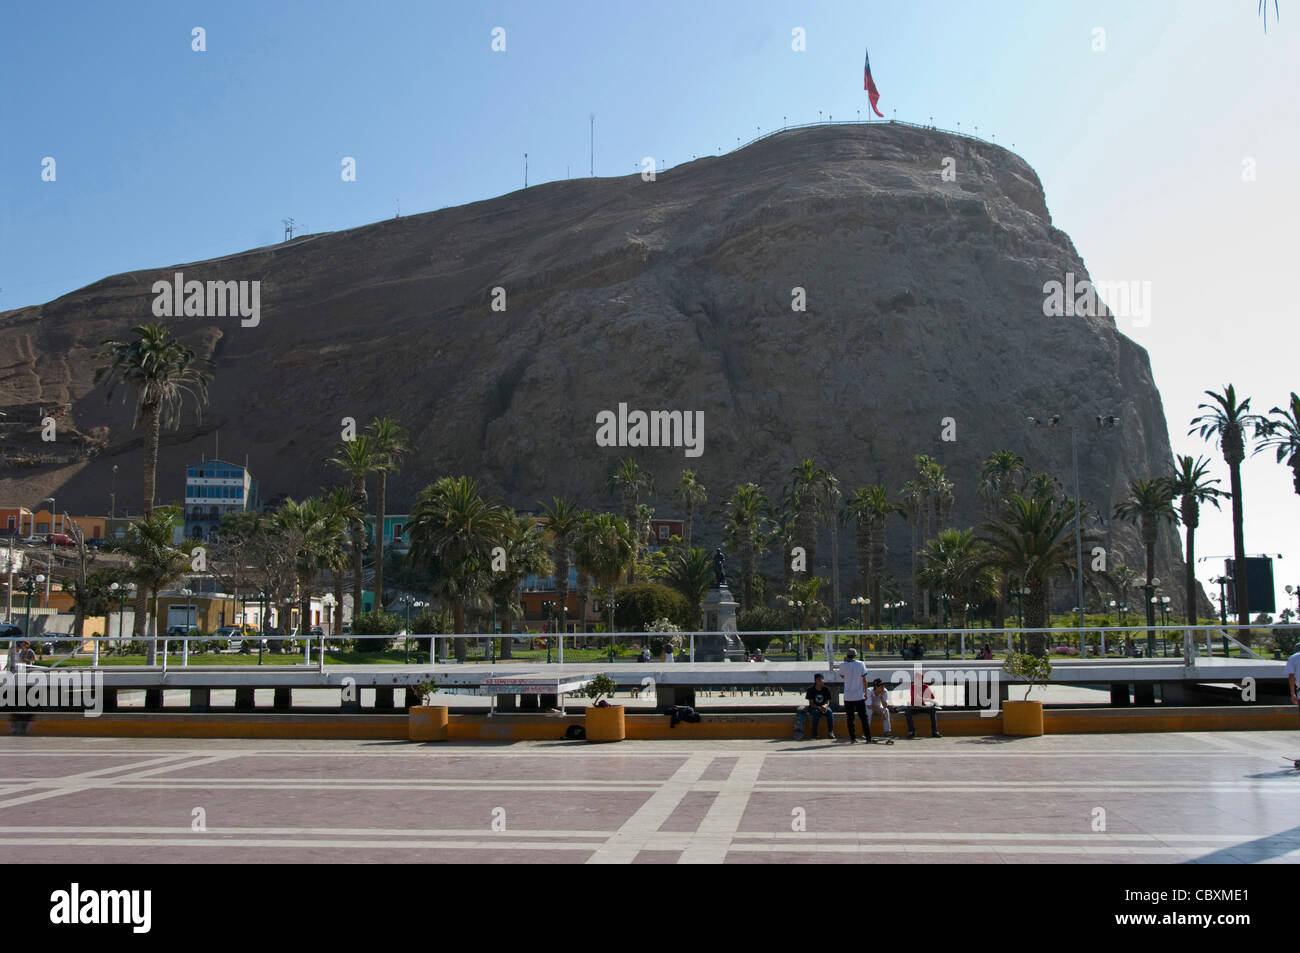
(800,720)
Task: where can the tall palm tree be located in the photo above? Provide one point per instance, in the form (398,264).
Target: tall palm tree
(1149,504)
(828,496)
(690,572)
(525,544)
(390,442)
(1045,486)
(804,500)
(561,519)
(356,458)
(1281,431)
(1003,472)
(909,506)
(154,562)
(870,507)
(631,481)
(311,530)
(453,529)
(345,515)
(690,493)
(162,372)
(1226,420)
(1032,539)
(605,550)
(1190,484)
(748,512)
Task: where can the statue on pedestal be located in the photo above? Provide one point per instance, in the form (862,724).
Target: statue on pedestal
(719,568)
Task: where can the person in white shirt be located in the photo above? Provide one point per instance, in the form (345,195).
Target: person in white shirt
(855,694)
(668,652)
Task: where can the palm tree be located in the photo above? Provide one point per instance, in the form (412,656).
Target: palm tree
(690,572)
(956,566)
(1226,420)
(311,530)
(390,442)
(910,501)
(748,513)
(1032,540)
(347,514)
(605,550)
(804,501)
(561,520)
(1149,504)
(1003,472)
(690,493)
(356,458)
(1190,485)
(524,541)
(870,507)
(1282,432)
(162,372)
(154,562)
(453,529)
(1045,486)
(828,495)
(631,481)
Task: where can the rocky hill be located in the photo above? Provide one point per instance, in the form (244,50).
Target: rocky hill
(924,301)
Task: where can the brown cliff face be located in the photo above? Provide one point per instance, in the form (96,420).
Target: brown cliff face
(924,301)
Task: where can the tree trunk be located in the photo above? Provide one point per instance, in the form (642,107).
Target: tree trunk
(1238,546)
(304,606)
(458,615)
(358,496)
(835,568)
(1036,616)
(1149,543)
(381,500)
(152,428)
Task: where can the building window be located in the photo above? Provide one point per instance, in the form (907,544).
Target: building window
(663,532)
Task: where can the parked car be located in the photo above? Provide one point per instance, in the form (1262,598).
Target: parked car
(317,630)
(229,636)
(99,542)
(59,539)
(174,631)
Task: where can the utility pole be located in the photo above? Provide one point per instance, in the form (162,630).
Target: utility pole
(525,170)
(593,145)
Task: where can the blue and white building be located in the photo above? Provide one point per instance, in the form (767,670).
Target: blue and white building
(214,488)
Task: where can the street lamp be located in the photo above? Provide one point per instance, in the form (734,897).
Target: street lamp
(29,587)
(1103,422)
(1148,587)
(796,607)
(548,613)
(864,602)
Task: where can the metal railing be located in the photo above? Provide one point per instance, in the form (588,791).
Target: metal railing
(833,641)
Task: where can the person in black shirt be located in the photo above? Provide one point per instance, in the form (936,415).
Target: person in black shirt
(819,706)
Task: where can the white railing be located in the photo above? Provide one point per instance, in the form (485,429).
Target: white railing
(833,640)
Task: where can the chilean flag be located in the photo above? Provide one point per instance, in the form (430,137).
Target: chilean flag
(869,85)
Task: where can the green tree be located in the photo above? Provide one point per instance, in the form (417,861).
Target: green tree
(154,562)
(1191,485)
(631,482)
(162,372)
(641,603)
(1281,432)
(561,519)
(390,442)
(605,550)
(526,551)
(1032,539)
(1226,421)
(690,493)
(1150,503)
(690,573)
(803,503)
(869,508)
(955,565)
(453,529)
(746,529)
(312,531)
(1002,473)
(356,458)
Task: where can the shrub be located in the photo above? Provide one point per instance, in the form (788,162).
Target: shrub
(762,619)
(756,643)
(1032,668)
(602,684)
(641,603)
(377,622)
(1286,640)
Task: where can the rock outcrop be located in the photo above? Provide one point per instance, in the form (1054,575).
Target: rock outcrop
(924,301)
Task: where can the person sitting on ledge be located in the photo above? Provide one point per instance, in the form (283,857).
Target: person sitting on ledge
(819,706)
(923,699)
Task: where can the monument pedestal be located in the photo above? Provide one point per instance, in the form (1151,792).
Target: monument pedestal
(721,643)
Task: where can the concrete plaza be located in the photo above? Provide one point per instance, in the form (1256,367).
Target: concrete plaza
(1225,797)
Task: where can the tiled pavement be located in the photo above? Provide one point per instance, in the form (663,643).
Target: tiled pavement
(1163,798)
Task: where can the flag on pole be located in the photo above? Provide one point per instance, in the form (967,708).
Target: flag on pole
(869,85)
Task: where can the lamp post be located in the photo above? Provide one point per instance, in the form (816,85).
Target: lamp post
(1223,582)
(112,496)
(1148,587)
(29,587)
(548,613)
(863,602)
(1102,423)
(406,601)
(796,606)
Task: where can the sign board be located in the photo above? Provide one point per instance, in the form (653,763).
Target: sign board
(1259,585)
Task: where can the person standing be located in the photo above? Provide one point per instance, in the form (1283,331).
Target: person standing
(855,694)
(1292,671)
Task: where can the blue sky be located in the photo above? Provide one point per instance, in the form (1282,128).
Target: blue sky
(167,155)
